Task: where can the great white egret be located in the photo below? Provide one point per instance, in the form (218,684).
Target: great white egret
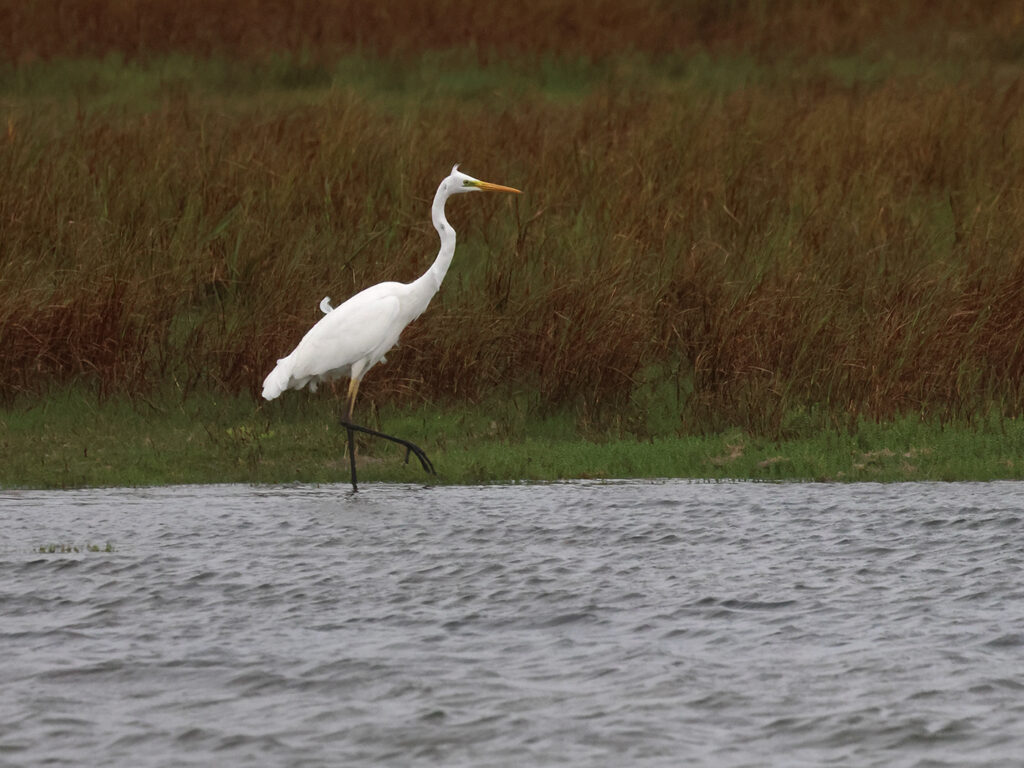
(354,336)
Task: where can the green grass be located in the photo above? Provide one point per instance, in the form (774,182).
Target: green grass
(72,440)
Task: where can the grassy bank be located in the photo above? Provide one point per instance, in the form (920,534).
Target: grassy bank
(775,220)
(71,440)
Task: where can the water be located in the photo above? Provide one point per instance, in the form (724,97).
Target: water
(619,624)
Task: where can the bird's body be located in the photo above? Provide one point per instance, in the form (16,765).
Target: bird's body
(350,339)
(353,337)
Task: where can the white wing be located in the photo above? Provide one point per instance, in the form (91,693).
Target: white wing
(352,337)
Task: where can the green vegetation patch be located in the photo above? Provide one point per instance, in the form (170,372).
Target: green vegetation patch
(68,548)
(71,440)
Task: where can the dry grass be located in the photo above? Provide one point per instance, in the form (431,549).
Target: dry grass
(841,247)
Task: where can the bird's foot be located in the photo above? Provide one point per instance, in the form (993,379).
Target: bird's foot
(425,462)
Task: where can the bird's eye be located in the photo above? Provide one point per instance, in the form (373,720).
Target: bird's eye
(467,183)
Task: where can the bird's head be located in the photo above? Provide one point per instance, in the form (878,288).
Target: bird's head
(459,182)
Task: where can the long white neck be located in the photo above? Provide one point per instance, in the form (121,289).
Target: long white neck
(430,281)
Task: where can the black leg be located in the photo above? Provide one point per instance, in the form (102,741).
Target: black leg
(427,465)
(352,457)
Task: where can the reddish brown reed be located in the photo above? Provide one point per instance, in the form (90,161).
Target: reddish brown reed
(847,249)
(594,28)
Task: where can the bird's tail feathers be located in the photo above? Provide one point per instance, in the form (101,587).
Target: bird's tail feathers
(277,380)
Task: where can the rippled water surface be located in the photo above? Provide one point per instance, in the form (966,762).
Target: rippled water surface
(615,624)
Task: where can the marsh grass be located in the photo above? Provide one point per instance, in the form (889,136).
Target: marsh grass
(780,223)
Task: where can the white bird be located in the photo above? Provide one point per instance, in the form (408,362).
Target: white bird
(354,336)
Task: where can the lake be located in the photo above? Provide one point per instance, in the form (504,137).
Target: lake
(577,624)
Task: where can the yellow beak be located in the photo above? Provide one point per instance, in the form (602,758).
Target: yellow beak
(486,186)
